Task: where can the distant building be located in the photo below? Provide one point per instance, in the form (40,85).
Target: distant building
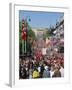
(59,34)
(59,29)
(39,32)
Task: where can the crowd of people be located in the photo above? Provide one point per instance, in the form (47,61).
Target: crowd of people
(45,67)
(46,60)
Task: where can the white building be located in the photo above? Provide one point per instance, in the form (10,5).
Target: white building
(59,29)
(39,32)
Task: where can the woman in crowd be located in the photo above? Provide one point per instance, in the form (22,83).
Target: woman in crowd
(52,71)
(35,73)
(46,73)
(62,70)
(56,72)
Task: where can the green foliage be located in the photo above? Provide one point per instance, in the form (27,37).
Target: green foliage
(49,32)
(31,33)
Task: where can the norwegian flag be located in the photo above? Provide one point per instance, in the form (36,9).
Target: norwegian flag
(23,35)
(24,29)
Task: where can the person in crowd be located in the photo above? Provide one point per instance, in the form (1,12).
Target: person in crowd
(35,73)
(30,73)
(41,69)
(23,73)
(62,70)
(56,72)
(46,72)
(52,71)
(21,68)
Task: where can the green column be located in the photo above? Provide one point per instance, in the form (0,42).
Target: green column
(23,47)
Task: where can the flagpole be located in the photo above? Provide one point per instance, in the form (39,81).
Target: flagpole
(22,46)
(25,46)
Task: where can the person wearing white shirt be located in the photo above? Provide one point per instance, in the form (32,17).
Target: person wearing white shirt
(52,71)
(62,71)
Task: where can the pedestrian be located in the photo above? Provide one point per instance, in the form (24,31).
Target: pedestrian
(46,73)
(62,71)
(56,72)
(35,73)
(52,71)
(30,73)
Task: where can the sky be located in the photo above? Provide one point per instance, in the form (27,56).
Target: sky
(40,19)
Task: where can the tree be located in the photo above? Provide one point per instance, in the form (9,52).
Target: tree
(50,32)
(31,33)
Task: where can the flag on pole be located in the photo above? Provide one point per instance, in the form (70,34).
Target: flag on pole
(24,35)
